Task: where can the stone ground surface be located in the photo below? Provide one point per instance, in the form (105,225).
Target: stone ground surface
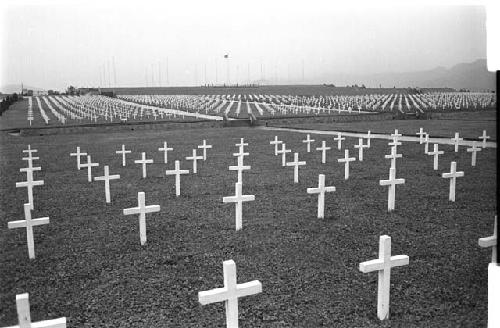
(91,268)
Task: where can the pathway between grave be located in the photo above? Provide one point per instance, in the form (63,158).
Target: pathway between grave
(434,140)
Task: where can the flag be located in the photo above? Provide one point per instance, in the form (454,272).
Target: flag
(226,56)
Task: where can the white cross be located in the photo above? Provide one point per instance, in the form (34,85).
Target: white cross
(383,265)
(395,136)
(453,175)
(165,149)
(421,134)
(195,159)
(395,143)
(436,154)
(484,137)
(28,223)
(142,209)
(29,184)
(242,144)
(240,153)
(238,199)
(30,157)
(392,182)
(89,166)
(456,141)
(323,150)
(283,152)
(177,172)
(296,165)
(106,177)
(360,147)
(123,152)
(491,241)
(426,146)
(240,167)
(320,190)
(308,141)
(474,150)
(29,150)
(24,316)
(230,293)
(275,142)
(204,146)
(78,155)
(393,156)
(339,139)
(143,161)
(346,161)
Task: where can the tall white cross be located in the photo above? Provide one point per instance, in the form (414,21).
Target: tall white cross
(456,141)
(238,199)
(426,145)
(320,190)
(240,168)
(395,143)
(275,142)
(346,161)
(241,153)
(453,175)
(283,152)
(230,293)
(296,165)
(124,152)
(30,157)
(339,139)
(360,147)
(393,156)
(396,135)
(383,265)
(308,141)
(165,149)
(474,150)
(28,223)
(177,172)
(436,154)
(484,137)
(143,161)
(204,146)
(142,209)
(195,159)
(89,166)
(24,316)
(29,150)
(78,154)
(491,241)
(242,144)
(29,184)
(106,177)
(421,135)
(392,182)
(323,150)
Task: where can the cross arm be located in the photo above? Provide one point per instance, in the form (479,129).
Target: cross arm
(400,260)
(16,224)
(249,288)
(485,242)
(212,296)
(55,323)
(372,265)
(130,211)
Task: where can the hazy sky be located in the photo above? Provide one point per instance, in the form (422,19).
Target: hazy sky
(52,46)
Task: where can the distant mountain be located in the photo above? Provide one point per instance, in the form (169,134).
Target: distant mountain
(473,76)
(11,88)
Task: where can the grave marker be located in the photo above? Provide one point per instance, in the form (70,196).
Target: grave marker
(28,223)
(143,161)
(436,154)
(369,139)
(474,150)
(426,145)
(360,147)
(393,156)
(177,172)
(346,161)
(320,190)
(323,150)
(124,152)
(392,182)
(195,159)
(275,142)
(24,316)
(78,154)
(296,165)
(456,141)
(230,293)
(240,168)
(165,149)
(339,139)
(453,175)
(421,134)
(308,141)
(238,199)
(106,178)
(491,241)
(383,265)
(204,146)
(89,166)
(283,152)
(484,137)
(29,184)
(142,210)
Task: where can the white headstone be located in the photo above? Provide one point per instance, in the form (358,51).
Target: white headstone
(474,149)
(323,150)
(177,172)
(491,241)
(230,293)
(204,146)
(24,316)
(436,154)
(142,210)
(123,152)
(296,165)
(143,161)
(426,145)
(320,190)
(392,182)
(346,161)
(238,199)
(308,141)
(383,265)
(89,166)
(369,139)
(195,159)
(78,154)
(106,178)
(28,223)
(165,149)
(453,175)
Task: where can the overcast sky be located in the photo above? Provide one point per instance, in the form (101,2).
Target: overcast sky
(52,46)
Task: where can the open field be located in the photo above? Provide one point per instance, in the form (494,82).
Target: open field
(91,268)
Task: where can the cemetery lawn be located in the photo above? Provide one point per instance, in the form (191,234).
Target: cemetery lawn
(91,268)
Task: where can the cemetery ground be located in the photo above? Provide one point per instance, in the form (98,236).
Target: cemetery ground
(91,268)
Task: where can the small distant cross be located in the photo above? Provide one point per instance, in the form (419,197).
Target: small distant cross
(78,154)
(393,156)
(323,150)
(421,134)
(456,141)
(89,166)
(360,147)
(143,161)
(346,161)
(392,182)
(296,165)
(474,149)
(283,152)
(204,146)
(195,159)
(240,168)
(124,152)
(308,141)
(165,149)
(484,137)
(177,172)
